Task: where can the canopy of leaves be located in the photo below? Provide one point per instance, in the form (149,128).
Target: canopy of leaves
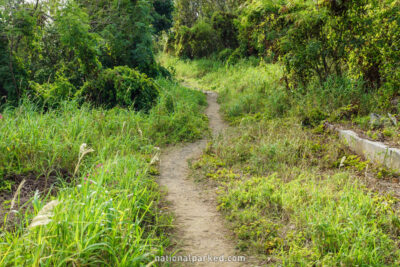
(59,46)
(314,40)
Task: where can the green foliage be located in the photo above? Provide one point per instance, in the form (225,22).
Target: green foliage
(225,54)
(80,47)
(75,39)
(202,28)
(113,199)
(121,86)
(125,27)
(313,40)
(234,57)
(255,34)
(224,25)
(51,94)
(162,15)
(5,77)
(203,40)
(199,41)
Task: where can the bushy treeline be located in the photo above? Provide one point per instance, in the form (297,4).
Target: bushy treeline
(55,50)
(315,40)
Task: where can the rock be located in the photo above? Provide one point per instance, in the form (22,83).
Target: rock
(392,119)
(375,120)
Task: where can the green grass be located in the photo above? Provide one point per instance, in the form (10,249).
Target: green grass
(108,215)
(287,199)
(243,88)
(282,185)
(253,86)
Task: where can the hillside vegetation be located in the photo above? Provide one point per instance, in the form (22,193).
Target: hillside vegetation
(84,111)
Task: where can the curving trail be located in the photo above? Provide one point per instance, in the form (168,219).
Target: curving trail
(199,226)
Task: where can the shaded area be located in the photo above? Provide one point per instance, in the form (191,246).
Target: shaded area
(30,183)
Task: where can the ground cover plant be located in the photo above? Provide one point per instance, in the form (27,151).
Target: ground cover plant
(107,214)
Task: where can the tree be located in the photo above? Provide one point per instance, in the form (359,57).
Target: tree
(162,15)
(125,28)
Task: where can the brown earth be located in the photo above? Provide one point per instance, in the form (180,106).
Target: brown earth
(199,227)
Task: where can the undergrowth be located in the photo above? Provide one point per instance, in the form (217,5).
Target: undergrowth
(293,194)
(294,197)
(254,86)
(108,215)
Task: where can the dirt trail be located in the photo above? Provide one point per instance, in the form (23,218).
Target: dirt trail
(199,226)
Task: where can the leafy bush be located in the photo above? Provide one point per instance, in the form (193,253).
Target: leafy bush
(162,15)
(224,25)
(51,94)
(204,40)
(206,37)
(121,86)
(199,41)
(182,42)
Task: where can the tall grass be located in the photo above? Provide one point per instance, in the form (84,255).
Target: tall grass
(254,86)
(291,202)
(108,214)
(293,195)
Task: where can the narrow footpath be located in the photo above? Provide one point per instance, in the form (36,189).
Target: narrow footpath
(199,226)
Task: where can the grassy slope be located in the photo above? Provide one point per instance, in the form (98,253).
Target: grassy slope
(108,215)
(280,184)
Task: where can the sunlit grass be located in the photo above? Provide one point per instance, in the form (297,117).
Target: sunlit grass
(281,185)
(108,215)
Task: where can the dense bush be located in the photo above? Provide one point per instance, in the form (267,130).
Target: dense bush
(162,15)
(199,41)
(121,86)
(224,25)
(75,39)
(51,94)
(206,37)
(353,40)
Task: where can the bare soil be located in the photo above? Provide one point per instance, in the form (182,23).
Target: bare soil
(32,184)
(199,227)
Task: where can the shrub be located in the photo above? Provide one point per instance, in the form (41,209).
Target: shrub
(182,39)
(51,94)
(199,41)
(224,25)
(121,86)
(204,40)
